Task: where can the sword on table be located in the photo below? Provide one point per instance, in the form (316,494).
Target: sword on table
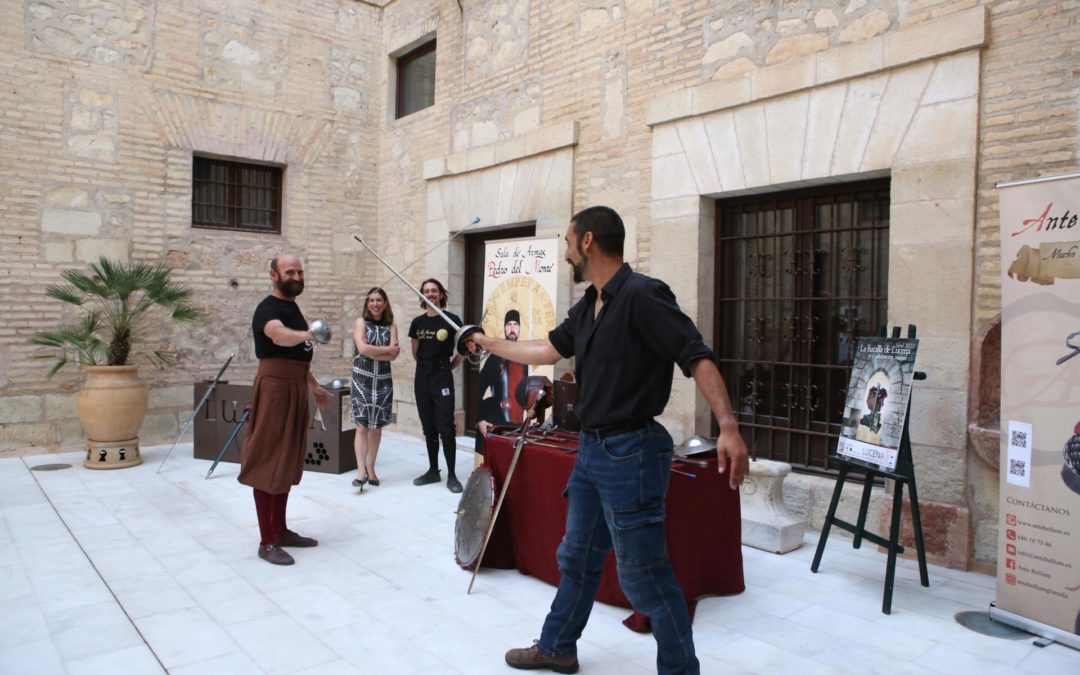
(518,445)
(205,398)
(232,437)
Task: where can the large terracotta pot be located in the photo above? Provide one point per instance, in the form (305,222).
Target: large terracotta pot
(111,407)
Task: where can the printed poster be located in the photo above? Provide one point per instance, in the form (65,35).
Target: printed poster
(1038,544)
(877,402)
(520,283)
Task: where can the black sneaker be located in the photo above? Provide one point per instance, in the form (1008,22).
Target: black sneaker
(432,476)
(453,484)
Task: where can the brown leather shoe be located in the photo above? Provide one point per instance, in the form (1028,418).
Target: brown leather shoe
(290,538)
(531,658)
(274,555)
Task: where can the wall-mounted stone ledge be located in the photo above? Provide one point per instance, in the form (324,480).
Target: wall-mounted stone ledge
(950,34)
(535,142)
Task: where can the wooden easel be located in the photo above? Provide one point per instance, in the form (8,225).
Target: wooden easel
(903,474)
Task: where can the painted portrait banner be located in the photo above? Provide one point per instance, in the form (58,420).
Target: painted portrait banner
(520,282)
(877,401)
(1039,528)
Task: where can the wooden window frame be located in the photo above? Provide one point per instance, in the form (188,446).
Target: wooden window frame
(402,62)
(232,203)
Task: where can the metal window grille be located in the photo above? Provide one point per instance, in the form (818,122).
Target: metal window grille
(800,276)
(235,196)
(415,80)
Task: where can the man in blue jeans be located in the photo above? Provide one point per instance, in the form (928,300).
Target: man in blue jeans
(627,334)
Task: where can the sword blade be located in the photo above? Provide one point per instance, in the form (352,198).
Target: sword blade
(518,445)
(405,281)
(205,398)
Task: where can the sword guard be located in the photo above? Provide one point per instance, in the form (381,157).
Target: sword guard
(462,334)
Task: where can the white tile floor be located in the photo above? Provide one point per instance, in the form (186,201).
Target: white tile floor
(135,571)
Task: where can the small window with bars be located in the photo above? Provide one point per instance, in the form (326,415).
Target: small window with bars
(229,195)
(415,80)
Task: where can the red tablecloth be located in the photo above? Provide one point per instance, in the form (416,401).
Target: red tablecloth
(703,523)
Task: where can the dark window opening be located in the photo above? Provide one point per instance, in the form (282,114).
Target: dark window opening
(800,275)
(415,80)
(236,196)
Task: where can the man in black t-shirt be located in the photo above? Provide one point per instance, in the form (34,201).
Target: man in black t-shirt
(272,459)
(433,348)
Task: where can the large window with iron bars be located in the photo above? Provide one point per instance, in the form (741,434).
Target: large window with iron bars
(800,275)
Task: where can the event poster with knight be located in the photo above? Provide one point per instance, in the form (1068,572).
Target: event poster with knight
(877,400)
(1039,520)
(520,285)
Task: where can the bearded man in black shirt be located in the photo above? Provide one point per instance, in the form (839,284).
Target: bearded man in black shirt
(272,459)
(627,334)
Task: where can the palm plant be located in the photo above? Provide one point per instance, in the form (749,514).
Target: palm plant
(114,298)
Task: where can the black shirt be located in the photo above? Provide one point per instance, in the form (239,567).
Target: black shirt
(626,356)
(289,314)
(435,335)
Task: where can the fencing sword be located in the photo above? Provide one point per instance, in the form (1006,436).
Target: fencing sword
(461,332)
(438,244)
(232,437)
(518,445)
(205,398)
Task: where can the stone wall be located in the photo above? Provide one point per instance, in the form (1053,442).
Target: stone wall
(104,105)
(108,103)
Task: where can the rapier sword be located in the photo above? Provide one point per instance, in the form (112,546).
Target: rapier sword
(518,445)
(232,437)
(205,398)
(461,332)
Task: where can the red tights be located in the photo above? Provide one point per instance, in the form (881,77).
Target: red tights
(271,511)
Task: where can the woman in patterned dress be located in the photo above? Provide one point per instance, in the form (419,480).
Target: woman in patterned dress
(376,338)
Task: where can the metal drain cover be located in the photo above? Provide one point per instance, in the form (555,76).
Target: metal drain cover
(980,622)
(50,467)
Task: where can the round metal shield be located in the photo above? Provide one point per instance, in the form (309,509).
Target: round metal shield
(473,517)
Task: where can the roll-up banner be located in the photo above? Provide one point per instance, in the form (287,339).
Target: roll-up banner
(1038,575)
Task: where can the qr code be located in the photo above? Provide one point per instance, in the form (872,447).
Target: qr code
(1017,467)
(1019,439)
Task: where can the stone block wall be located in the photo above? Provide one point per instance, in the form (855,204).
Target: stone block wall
(104,105)
(606,65)
(108,103)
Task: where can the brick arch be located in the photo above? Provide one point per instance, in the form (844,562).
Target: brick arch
(203,125)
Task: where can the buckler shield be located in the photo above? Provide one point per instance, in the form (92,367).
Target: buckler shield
(473,517)
(694,446)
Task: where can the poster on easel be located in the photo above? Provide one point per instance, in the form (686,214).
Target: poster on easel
(877,400)
(520,285)
(1038,576)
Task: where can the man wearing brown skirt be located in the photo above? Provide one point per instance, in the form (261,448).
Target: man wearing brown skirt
(272,460)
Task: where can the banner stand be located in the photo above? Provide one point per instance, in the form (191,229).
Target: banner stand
(1049,634)
(1038,535)
(903,474)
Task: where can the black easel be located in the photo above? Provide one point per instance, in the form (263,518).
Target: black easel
(903,474)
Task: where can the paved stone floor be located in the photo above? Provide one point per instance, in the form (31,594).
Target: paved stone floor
(134,571)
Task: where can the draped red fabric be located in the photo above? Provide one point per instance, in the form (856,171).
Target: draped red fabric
(703,523)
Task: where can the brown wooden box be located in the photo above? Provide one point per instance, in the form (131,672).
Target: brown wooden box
(328,451)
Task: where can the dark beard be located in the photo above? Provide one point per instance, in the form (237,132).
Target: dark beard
(290,289)
(579,271)
(579,268)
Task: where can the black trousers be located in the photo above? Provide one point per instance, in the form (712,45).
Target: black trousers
(434,389)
